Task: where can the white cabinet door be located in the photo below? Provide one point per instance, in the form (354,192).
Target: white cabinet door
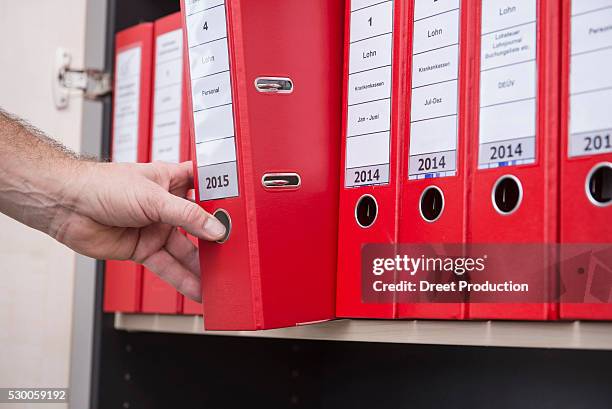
(37,275)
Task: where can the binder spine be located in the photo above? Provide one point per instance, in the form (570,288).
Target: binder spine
(132,98)
(514,195)
(586,153)
(219,128)
(433,174)
(167,138)
(368,196)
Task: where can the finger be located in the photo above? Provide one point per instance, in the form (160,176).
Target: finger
(183,250)
(181,176)
(174,273)
(188,166)
(179,184)
(179,212)
(174,177)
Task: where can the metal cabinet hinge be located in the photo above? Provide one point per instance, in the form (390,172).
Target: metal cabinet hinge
(91,84)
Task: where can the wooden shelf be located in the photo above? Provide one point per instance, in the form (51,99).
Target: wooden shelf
(563,335)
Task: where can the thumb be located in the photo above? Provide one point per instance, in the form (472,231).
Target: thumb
(180,212)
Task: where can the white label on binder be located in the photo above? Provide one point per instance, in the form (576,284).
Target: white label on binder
(368,129)
(435,67)
(372,21)
(427,8)
(435,32)
(208,59)
(168,72)
(508,47)
(169,46)
(507,134)
(434,101)
(166,137)
(373,85)
(167,125)
(590,78)
(501,14)
(368,118)
(366,150)
(207,26)
(371,53)
(197,6)
(361,4)
(212,101)
(508,83)
(212,91)
(435,89)
(213,124)
(438,140)
(583,6)
(217,151)
(167,100)
(127,106)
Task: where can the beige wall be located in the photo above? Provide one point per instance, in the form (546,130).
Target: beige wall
(36,273)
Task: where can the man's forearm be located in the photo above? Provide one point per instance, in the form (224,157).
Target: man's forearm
(35,174)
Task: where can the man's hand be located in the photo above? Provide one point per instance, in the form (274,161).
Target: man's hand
(105,210)
(131,212)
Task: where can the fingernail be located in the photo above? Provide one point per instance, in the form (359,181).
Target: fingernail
(214,227)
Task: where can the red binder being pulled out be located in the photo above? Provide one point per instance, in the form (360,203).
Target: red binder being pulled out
(265,96)
(586,157)
(514,191)
(130,143)
(169,138)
